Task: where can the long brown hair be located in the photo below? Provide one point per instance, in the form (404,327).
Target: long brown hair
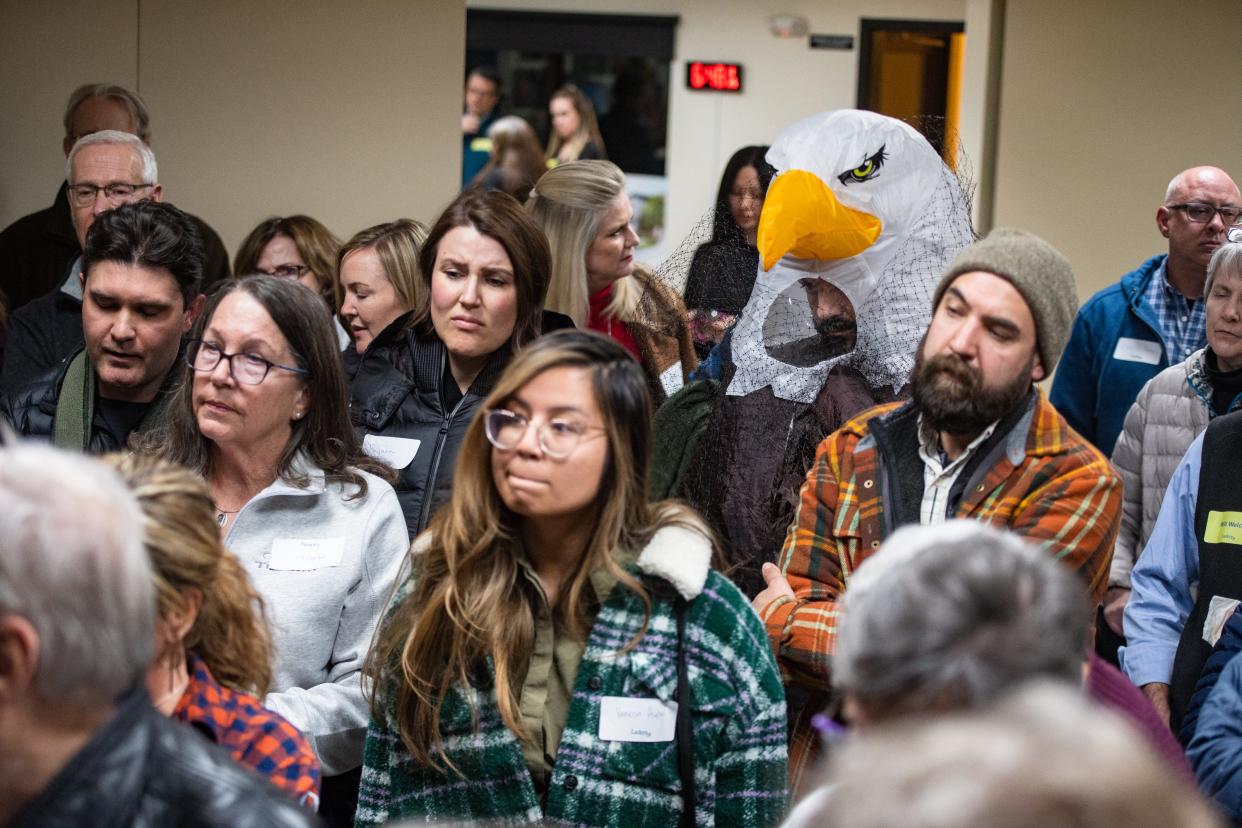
(325,434)
(516,157)
(469,602)
(588,126)
(315,243)
(230,634)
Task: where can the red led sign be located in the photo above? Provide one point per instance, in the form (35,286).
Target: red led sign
(714,77)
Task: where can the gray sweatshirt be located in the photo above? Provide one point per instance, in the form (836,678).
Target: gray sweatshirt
(326,567)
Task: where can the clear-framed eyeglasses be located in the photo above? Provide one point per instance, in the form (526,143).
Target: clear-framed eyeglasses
(1201,213)
(84,195)
(248,369)
(285,271)
(557,437)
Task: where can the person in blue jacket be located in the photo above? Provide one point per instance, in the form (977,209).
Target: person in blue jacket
(1154,317)
(1212,729)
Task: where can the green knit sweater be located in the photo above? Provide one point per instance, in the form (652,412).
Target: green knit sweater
(738,715)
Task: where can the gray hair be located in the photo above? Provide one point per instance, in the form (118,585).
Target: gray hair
(1045,756)
(1227,258)
(955,615)
(150,172)
(73,565)
(133,102)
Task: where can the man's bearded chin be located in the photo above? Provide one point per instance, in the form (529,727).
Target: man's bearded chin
(951,397)
(838,332)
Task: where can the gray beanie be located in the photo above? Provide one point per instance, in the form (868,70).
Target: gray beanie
(1040,273)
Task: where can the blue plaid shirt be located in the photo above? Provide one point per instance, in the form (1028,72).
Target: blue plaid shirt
(1183,322)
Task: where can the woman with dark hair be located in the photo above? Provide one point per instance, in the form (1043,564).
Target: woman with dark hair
(484,267)
(298,248)
(723,270)
(214,648)
(263,419)
(575,132)
(529,667)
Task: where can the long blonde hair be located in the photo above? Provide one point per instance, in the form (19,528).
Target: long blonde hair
(230,634)
(588,127)
(568,203)
(469,603)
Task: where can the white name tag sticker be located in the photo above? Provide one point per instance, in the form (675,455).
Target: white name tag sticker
(1138,350)
(306,553)
(394,452)
(636,720)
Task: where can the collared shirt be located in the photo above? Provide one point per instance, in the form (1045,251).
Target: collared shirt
(255,736)
(1183,322)
(1164,579)
(939,474)
(549,683)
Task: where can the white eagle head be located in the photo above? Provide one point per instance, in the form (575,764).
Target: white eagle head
(863,202)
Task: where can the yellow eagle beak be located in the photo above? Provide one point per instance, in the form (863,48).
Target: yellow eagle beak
(801,216)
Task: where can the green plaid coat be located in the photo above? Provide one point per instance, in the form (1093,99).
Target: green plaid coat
(738,715)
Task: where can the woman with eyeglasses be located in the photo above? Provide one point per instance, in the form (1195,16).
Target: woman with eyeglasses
(562,649)
(723,270)
(484,272)
(586,214)
(316,526)
(298,248)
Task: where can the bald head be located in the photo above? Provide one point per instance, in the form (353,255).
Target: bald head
(1195,178)
(1193,238)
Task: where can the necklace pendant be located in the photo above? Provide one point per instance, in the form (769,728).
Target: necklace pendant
(221,518)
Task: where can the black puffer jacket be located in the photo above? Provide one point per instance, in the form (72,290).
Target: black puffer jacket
(395,391)
(31,411)
(142,769)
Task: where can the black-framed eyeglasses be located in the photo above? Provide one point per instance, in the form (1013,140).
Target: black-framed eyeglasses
(83,195)
(285,271)
(248,369)
(1201,213)
(558,438)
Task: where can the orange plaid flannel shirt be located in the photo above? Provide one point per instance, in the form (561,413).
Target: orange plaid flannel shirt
(1063,495)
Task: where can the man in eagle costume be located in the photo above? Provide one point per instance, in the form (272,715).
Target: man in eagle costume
(857,227)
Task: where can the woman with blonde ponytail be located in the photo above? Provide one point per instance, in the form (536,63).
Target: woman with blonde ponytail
(213,648)
(584,210)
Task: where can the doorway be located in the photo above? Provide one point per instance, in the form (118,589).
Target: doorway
(912,70)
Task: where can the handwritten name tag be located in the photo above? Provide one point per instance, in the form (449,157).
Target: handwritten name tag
(394,452)
(306,553)
(636,720)
(1138,350)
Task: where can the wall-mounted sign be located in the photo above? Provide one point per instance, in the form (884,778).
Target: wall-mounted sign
(831,41)
(714,77)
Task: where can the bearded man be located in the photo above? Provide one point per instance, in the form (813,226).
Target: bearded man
(977,440)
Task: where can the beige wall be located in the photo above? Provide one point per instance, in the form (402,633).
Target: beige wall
(785,80)
(1101,104)
(346,112)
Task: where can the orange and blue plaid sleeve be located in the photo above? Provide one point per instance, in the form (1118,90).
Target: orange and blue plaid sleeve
(803,629)
(280,752)
(1075,515)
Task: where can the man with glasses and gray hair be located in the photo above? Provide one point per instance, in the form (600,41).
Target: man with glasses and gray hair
(37,250)
(1153,318)
(104,170)
(80,741)
(140,286)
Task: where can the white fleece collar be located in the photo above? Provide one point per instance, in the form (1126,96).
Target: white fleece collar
(681,556)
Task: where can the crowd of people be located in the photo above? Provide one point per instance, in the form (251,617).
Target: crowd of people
(483,521)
